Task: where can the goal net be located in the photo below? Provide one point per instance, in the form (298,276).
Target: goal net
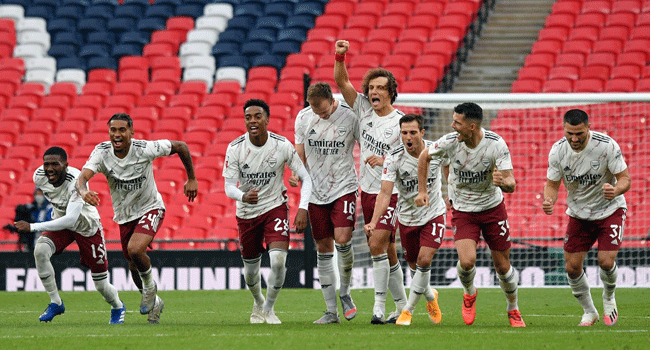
(530,124)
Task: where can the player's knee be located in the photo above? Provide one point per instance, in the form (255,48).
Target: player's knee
(573,270)
(278,259)
(605,263)
(467,263)
(424,260)
(134,252)
(42,249)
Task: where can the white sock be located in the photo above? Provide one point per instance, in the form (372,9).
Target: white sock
(396,286)
(107,290)
(345,262)
(327,280)
(253,278)
(509,283)
(147,280)
(380,272)
(419,284)
(609,281)
(275,281)
(580,289)
(428,293)
(467,278)
(43,251)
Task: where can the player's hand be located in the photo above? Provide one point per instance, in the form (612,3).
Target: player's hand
(342,46)
(497,178)
(91,198)
(190,189)
(608,191)
(422,199)
(22,226)
(547,205)
(369,229)
(294,180)
(250,197)
(300,222)
(374,160)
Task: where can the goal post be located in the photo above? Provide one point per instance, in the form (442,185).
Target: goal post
(530,124)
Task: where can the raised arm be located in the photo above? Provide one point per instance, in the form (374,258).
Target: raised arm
(88,196)
(504,179)
(341,73)
(191,187)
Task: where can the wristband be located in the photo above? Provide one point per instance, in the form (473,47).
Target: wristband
(339,58)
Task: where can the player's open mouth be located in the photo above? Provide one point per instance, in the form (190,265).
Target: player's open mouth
(51,176)
(409,145)
(117,143)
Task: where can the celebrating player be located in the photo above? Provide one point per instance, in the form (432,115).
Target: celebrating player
(595,175)
(138,206)
(257,161)
(325,138)
(480,170)
(73,221)
(378,133)
(421,228)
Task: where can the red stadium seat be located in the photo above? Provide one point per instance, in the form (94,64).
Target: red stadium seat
(589,85)
(614,32)
(558,86)
(621,19)
(185,100)
(626,71)
(595,72)
(604,59)
(98,88)
(136,75)
(540,59)
(343,8)
(527,86)
(536,72)
(128,88)
(429,8)
(102,75)
(584,33)
(596,6)
(560,20)
(428,22)
(620,85)
(592,19)
(567,7)
(612,46)
(66,89)
(643,85)
(547,46)
(197,88)
(580,46)
(564,72)
(301,60)
(155,100)
(162,87)
(553,33)
(369,7)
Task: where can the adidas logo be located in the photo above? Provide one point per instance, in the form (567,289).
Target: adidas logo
(370,124)
(246,166)
(458,162)
(566,168)
(350,217)
(312,132)
(405,174)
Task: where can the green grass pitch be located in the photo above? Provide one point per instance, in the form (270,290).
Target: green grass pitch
(219,320)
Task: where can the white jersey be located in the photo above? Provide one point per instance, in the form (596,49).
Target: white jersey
(329,152)
(470,170)
(261,168)
(584,174)
(376,135)
(88,223)
(130,180)
(401,168)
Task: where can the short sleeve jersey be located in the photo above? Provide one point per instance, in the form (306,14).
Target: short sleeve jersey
(376,135)
(88,222)
(470,170)
(260,168)
(584,174)
(130,180)
(401,168)
(329,152)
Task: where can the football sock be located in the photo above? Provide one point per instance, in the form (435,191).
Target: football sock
(580,289)
(327,280)
(380,272)
(508,283)
(253,278)
(609,281)
(419,284)
(275,281)
(107,290)
(467,278)
(147,279)
(345,256)
(396,286)
(42,253)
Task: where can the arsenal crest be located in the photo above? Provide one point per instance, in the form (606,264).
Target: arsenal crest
(388,133)
(595,165)
(486,162)
(272,162)
(341,131)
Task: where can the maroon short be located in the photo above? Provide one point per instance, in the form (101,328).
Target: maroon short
(492,223)
(272,226)
(582,234)
(428,235)
(92,250)
(386,221)
(148,224)
(324,218)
